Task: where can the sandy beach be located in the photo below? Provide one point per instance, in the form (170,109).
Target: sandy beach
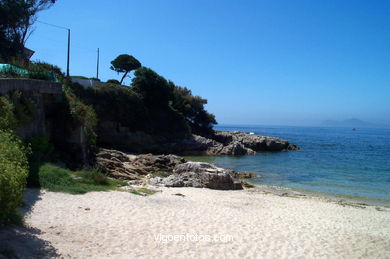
(197,223)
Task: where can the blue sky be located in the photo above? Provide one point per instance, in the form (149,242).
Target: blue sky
(257,62)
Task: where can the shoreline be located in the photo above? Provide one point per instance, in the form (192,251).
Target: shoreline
(327,197)
(121,224)
(337,198)
(355,199)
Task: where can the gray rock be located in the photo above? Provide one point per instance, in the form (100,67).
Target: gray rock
(130,167)
(198,174)
(235,148)
(253,142)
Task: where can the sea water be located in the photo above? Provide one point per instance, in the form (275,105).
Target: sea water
(341,162)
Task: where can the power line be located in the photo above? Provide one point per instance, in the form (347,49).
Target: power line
(60,27)
(68,54)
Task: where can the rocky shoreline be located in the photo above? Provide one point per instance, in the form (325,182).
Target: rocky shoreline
(168,171)
(174,171)
(235,143)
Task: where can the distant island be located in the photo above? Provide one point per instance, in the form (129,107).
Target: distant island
(353,123)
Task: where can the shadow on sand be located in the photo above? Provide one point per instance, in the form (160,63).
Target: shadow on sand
(24,241)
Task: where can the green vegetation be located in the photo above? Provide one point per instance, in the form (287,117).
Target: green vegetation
(124,64)
(116,103)
(32,70)
(7,116)
(56,179)
(15,110)
(76,112)
(13,174)
(151,104)
(16,19)
(192,108)
(113,81)
(41,152)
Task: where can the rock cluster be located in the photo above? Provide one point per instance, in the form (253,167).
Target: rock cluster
(233,143)
(199,145)
(253,142)
(131,167)
(198,174)
(179,172)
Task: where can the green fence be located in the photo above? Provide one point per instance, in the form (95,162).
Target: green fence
(4,68)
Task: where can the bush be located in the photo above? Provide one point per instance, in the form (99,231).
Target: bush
(157,94)
(41,151)
(113,81)
(113,102)
(39,65)
(192,108)
(7,116)
(80,113)
(34,70)
(10,72)
(15,111)
(13,174)
(57,179)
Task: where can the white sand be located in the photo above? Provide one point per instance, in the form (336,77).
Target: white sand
(123,225)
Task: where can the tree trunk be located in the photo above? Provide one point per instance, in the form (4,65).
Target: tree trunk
(123,77)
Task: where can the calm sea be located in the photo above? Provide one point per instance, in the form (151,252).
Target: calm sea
(337,162)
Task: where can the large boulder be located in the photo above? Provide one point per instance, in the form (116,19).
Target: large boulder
(198,145)
(198,174)
(253,142)
(130,167)
(235,148)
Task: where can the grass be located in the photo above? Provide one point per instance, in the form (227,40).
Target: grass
(56,179)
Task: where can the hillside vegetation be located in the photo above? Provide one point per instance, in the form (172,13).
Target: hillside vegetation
(151,104)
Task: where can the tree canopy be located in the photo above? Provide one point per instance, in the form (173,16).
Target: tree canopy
(192,108)
(16,20)
(153,88)
(124,64)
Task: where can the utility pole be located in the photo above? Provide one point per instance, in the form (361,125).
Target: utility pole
(97,65)
(67,63)
(63,28)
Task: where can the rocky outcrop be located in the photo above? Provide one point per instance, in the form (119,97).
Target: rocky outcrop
(131,167)
(177,171)
(231,143)
(199,145)
(253,142)
(198,174)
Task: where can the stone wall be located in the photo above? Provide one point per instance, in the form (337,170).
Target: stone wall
(44,95)
(29,85)
(48,118)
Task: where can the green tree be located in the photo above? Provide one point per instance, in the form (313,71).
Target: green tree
(16,20)
(13,174)
(192,108)
(124,64)
(154,89)
(7,116)
(157,94)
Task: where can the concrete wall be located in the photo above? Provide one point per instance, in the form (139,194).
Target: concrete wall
(42,93)
(86,83)
(8,85)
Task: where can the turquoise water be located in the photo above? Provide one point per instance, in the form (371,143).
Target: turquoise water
(335,161)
